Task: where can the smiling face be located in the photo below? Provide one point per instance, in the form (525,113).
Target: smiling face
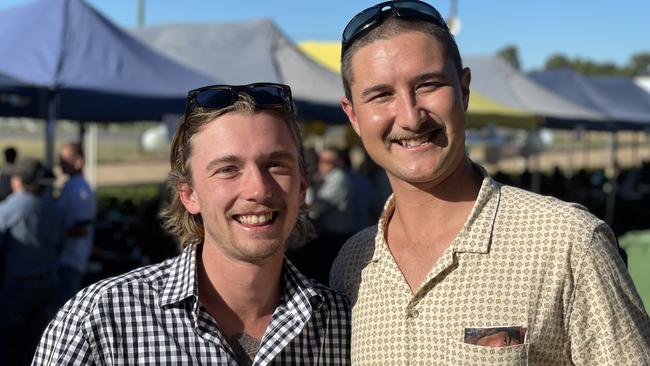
(246,184)
(408,105)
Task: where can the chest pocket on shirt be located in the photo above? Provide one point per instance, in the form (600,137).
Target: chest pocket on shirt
(469,354)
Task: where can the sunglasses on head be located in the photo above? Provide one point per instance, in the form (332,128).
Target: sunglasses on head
(373,16)
(215,97)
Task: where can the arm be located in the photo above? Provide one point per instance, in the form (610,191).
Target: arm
(607,323)
(63,343)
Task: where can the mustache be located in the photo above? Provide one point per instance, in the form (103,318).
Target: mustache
(406,135)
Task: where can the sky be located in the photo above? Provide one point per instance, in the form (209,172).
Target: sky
(599,30)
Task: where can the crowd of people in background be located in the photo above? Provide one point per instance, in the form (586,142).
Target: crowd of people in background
(45,245)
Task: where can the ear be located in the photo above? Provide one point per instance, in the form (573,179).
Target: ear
(303,189)
(348,108)
(464,86)
(188,197)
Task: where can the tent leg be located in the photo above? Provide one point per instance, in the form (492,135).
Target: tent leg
(610,204)
(82,135)
(536,181)
(90,151)
(569,145)
(50,130)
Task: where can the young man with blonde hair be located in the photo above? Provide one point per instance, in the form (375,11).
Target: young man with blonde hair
(231,298)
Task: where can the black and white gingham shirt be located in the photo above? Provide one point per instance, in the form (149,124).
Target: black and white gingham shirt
(151,316)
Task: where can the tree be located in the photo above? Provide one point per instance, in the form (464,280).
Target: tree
(640,64)
(557,61)
(511,55)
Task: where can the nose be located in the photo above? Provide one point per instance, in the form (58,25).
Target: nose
(410,115)
(257,185)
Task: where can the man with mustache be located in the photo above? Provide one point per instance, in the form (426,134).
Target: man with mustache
(456,253)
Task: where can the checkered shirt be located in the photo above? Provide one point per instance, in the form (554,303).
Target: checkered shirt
(151,316)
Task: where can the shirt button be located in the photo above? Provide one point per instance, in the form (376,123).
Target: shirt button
(413,313)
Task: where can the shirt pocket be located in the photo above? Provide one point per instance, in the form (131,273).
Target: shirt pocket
(469,354)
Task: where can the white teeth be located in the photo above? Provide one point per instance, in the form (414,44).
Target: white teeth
(255,219)
(414,142)
(417,141)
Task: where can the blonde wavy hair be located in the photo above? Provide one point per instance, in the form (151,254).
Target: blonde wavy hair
(188,227)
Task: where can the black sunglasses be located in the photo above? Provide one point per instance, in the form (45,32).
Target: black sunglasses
(214,97)
(373,16)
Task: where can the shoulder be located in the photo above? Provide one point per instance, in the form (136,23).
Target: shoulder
(96,319)
(547,226)
(544,212)
(355,254)
(116,295)
(334,299)
(17,205)
(359,248)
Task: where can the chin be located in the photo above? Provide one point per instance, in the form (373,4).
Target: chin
(257,252)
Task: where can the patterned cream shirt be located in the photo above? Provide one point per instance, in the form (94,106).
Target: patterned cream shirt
(521,261)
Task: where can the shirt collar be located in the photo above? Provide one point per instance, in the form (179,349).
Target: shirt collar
(181,284)
(299,295)
(476,234)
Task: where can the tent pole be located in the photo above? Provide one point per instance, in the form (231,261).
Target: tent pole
(536,181)
(50,129)
(610,205)
(536,158)
(579,147)
(645,138)
(569,148)
(635,148)
(90,150)
(82,134)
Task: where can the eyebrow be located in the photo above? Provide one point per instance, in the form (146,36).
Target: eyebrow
(281,154)
(373,89)
(228,159)
(417,79)
(429,76)
(234,159)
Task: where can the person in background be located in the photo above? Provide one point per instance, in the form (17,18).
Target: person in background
(77,200)
(332,213)
(456,253)
(10,154)
(31,236)
(331,209)
(231,298)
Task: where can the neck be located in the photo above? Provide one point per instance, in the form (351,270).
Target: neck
(446,203)
(241,296)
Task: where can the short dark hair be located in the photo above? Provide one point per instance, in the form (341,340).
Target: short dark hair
(10,154)
(390,27)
